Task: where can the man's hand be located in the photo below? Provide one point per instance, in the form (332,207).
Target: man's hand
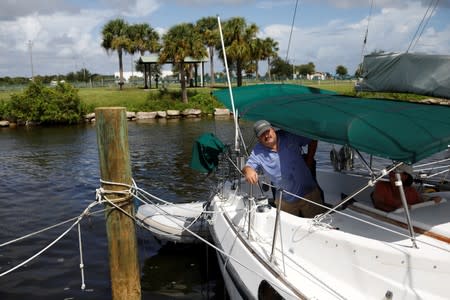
(250,175)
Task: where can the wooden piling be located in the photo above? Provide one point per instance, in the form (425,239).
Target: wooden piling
(115,166)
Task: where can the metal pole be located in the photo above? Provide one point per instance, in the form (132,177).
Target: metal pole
(275,230)
(30,47)
(251,199)
(399,184)
(115,167)
(235,117)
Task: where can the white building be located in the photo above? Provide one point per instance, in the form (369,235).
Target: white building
(127,75)
(317,76)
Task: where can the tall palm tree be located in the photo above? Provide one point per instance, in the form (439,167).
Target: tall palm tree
(237,37)
(209,29)
(115,38)
(143,38)
(180,42)
(257,53)
(270,50)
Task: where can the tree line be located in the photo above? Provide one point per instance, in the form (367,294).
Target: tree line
(243,48)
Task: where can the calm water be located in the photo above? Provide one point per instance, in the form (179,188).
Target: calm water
(49,175)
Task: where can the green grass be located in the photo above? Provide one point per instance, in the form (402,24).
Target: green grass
(138,99)
(347,88)
(101,97)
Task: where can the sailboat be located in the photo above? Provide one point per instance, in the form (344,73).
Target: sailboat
(353,250)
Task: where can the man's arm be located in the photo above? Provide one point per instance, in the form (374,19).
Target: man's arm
(312,147)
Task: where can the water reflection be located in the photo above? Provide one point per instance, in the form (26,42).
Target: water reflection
(183,271)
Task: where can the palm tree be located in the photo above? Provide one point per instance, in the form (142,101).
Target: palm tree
(143,38)
(257,53)
(237,37)
(180,42)
(115,38)
(209,29)
(270,49)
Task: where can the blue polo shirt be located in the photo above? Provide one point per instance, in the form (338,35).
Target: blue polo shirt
(286,168)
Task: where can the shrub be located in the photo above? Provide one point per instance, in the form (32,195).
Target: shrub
(38,103)
(4,109)
(205,102)
(165,99)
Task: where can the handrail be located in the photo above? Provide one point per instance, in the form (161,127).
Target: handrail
(399,184)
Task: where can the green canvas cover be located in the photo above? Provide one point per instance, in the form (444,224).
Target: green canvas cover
(417,73)
(205,153)
(398,130)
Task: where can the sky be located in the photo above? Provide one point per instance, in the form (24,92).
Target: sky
(62,36)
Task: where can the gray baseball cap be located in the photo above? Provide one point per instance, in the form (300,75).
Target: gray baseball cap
(260,127)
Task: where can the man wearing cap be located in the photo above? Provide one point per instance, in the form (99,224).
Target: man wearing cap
(278,154)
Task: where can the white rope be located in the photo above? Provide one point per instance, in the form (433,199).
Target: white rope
(83,285)
(229,256)
(134,190)
(37,232)
(79,218)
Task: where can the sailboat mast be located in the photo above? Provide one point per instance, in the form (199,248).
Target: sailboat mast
(236,128)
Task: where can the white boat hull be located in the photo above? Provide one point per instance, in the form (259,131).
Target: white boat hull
(338,258)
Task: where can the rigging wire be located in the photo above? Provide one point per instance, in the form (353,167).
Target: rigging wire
(423,23)
(365,37)
(426,23)
(292,29)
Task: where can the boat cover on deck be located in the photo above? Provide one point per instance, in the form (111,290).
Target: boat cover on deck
(399,130)
(421,74)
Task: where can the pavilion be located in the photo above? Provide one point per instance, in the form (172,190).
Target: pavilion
(148,60)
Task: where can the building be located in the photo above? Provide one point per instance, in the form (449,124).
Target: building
(127,75)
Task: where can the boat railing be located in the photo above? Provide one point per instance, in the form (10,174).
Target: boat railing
(234,174)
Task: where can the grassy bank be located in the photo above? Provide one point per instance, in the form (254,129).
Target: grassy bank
(138,99)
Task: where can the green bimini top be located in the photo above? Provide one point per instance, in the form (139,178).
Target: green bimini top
(398,130)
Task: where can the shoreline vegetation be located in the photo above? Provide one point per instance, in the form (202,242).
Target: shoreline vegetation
(38,104)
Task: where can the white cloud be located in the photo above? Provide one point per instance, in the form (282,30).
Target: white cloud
(58,39)
(211,2)
(11,9)
(336,42)
(65,37)
(142,8)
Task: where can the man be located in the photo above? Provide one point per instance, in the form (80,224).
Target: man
(386,195)
(279,155)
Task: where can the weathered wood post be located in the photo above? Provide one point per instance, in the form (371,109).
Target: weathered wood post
(115,166)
